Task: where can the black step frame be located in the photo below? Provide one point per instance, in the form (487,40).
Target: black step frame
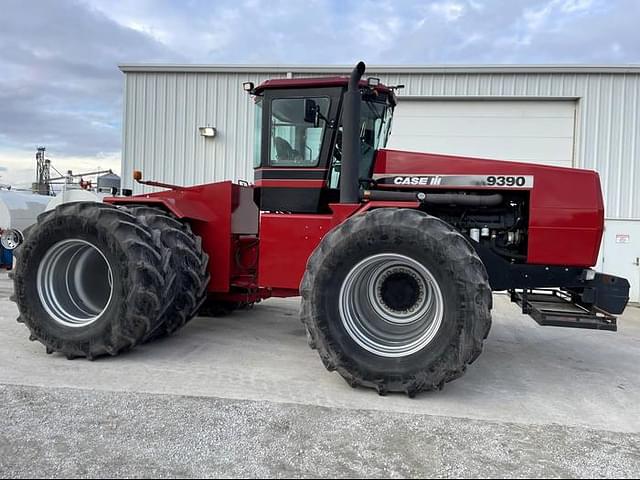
(530,301)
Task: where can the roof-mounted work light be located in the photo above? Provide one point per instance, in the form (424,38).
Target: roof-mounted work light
(248,87)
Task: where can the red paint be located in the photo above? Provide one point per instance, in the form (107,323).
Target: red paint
(566,216)
(286,242)
(209,208)
(188,202)
(565,221)
(318,82)
(291,169)
(342,211)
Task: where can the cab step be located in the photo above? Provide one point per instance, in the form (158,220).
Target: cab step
(555,308)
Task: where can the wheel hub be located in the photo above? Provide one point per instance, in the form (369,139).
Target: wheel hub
(391,305)
(74,282)
(400,290)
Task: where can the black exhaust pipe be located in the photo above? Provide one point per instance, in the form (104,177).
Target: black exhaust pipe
(349,184)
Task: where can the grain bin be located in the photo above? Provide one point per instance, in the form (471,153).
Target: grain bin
(109,183)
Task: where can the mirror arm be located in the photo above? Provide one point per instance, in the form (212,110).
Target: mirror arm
(320,116)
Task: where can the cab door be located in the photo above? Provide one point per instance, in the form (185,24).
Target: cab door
(292,173)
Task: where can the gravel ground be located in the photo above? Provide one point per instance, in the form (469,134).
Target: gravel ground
(74,433)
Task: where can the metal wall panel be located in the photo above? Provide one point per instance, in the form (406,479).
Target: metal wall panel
(163,111)
(162,114)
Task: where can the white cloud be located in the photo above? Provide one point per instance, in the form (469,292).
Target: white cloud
(155,33)
(472,39)
(570,6)
(373,34)
(556,12)
(450,10)
(536,18)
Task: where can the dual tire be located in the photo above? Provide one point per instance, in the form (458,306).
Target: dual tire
(93,279)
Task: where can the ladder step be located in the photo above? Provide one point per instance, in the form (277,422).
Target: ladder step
(555,308)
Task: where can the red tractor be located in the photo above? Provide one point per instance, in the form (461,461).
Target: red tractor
(395,254)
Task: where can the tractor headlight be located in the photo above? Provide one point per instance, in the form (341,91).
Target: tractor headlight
(11,239)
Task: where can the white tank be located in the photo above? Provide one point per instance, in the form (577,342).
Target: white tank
(19,210)
(74,195)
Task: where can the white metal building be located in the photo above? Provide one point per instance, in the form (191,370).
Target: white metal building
(579,116)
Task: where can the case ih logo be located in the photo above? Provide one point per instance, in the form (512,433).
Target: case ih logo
(417,180)
(487,181)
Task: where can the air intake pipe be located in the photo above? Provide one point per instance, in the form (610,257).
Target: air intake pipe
(433,198)
(349,184)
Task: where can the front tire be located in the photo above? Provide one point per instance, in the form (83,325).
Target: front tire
(396,300)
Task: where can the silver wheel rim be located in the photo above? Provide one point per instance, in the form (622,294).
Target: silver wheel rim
(391,305)
(75,283)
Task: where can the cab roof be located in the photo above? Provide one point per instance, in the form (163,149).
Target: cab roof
(317,82)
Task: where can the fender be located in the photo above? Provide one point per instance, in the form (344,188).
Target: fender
(209,209)
(185,203)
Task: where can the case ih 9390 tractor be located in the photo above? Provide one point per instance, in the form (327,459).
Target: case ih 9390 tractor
(395,254)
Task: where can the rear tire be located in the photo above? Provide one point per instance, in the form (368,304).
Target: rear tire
(396,300)
(90,281)
(187,260)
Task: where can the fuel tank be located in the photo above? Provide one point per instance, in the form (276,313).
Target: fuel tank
(566,210)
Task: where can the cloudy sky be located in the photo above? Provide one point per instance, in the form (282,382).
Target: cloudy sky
(60,85)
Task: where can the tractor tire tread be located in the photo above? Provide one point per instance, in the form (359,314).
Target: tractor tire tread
(144,260)
(473,319)
(186,260)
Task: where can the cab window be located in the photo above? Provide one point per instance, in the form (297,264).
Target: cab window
(375,125)
(295,140)
(257,139)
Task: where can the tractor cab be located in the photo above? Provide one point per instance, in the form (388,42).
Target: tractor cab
(299,130)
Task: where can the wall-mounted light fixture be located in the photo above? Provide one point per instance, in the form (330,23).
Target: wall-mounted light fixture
(207,131)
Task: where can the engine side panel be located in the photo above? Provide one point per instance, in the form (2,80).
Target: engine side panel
(566,215)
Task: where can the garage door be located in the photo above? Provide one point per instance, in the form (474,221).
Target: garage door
(522,130)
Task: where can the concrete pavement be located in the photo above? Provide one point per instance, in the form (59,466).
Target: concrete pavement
(542,401)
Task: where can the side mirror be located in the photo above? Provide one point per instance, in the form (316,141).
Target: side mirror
(311,112)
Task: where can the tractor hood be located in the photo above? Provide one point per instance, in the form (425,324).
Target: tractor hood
(565,204)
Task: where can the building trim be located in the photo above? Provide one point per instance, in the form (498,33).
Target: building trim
(488,98)
(384,69)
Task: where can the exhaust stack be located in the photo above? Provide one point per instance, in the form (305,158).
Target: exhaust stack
(349,182)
